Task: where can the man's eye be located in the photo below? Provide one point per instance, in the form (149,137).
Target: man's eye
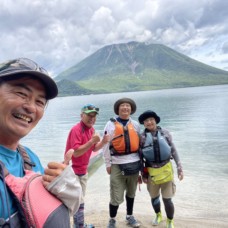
(41,103)
(21,94)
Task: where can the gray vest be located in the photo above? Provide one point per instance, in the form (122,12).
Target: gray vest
(156,149)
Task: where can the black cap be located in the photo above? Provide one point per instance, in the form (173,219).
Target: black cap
(13,69)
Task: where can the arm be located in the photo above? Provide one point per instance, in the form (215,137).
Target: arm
(144,171)
(85,147)
(175,156)
(104,140)
(109,128)
(80,144)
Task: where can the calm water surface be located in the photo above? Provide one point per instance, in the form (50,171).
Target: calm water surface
(196,117)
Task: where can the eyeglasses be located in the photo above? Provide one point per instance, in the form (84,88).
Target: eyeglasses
(21,64)
(90,107)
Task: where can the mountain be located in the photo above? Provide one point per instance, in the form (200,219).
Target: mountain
(138,66)
(69,88)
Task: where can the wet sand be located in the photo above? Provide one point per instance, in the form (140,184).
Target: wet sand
(97,201)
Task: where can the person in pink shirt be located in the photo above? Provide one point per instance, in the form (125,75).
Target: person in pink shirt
(82,140)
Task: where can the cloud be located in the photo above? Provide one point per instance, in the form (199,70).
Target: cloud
(58,34)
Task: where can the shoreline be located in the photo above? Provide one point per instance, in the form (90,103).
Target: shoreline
(97,201)
(100,219)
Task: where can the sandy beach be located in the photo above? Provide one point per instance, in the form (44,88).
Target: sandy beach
(97,201)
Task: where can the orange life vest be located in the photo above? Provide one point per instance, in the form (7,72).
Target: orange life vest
(125,139)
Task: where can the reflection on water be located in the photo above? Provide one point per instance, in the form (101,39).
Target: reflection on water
(196,117)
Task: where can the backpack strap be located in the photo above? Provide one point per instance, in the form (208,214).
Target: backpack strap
(27,162)
(3,170)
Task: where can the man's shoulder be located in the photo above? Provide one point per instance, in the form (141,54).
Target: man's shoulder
(134,121)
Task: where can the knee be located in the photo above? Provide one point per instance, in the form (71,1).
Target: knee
(168,202)
(155,200)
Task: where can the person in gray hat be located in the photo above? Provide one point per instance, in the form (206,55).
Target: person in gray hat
(122,160)
(25,89)
(157,148)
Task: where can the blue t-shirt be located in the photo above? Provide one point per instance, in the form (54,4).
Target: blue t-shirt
(14,164)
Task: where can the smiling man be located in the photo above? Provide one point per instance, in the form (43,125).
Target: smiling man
(122,159)
(83,139)
(25,89)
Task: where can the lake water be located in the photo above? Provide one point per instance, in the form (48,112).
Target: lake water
(197,119)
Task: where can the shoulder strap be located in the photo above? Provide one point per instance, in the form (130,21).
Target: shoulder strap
(165,136)
(113,120)
(156,148)
(27,162)
(3,171)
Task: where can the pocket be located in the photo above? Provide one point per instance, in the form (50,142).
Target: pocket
(130,168)
(173,187)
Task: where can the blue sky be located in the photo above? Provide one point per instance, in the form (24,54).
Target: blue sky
(60,33)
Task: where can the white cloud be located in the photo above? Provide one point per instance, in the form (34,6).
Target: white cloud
(60,33)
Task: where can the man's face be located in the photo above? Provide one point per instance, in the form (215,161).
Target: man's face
(22,106)
(124,110)
(89,119)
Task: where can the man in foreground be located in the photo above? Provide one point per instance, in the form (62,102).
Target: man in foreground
(25,89)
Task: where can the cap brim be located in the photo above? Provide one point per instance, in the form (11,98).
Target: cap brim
(90,111)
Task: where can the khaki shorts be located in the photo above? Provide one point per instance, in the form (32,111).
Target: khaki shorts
(120,183)
(83,182)
(167,189)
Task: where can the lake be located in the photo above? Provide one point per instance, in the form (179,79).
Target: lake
(197,119)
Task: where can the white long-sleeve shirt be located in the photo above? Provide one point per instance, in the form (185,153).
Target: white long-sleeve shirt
(122,159)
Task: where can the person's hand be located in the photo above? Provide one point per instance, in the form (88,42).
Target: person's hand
(145,180)
(95,138)
(108,169)
(68,155)
(140,179)
(106,138)
(54,169)
(180,175)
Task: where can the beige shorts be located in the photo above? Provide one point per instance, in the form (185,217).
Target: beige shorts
(167,189)
(83,181)
(120,184)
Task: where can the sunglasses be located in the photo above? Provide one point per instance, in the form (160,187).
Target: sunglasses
(21,64)
(90,107)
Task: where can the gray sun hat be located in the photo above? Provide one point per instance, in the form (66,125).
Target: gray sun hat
(124,100)
(13,69)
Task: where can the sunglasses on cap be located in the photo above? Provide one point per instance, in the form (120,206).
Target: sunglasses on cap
(90,108)
(19,65)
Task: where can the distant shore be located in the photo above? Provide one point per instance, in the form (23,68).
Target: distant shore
(97,201)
